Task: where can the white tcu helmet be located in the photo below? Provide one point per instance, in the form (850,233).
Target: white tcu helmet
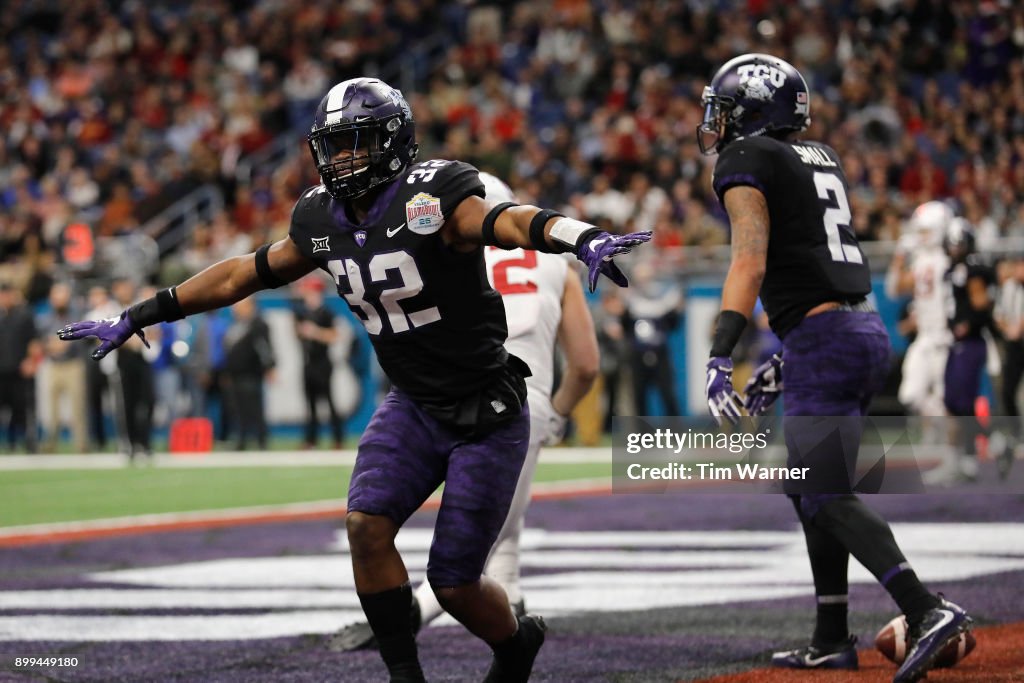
(495,189)
(929,223)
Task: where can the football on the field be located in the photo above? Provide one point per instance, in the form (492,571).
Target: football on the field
(891,641)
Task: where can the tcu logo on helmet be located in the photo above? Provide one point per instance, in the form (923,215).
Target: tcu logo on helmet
(761,71)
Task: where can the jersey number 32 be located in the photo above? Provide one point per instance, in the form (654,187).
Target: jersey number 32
(398,271)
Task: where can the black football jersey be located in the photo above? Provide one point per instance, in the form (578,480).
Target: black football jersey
(962,312)
(436,324)
(813,255)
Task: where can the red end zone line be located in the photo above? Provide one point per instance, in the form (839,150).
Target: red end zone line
(207,519)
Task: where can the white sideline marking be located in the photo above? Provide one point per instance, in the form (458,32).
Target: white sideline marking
(141,522)
(192,627)
(162,598)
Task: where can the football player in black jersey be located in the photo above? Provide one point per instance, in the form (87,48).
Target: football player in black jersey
(403,242)
(792,244)
(969,281)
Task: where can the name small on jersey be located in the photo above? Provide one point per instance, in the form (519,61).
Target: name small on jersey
(813,156)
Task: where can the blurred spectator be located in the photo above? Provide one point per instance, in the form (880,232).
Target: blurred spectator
(652,313)
(97,375)
(315,328)
(1009,317)
(20,355)
(611,340)
(206,371)
(135,376)
(65,376)
(118,212)
(249,358)
(166,373)
(648,200)
(604,201)
(701,228)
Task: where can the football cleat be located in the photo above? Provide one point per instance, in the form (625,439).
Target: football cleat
(359,636)
(841,656)
(515,667)
(939,627)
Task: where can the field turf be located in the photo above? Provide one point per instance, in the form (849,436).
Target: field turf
(60,495)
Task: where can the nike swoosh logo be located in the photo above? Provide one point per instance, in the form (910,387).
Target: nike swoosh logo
(815,661)
(947,617)
(394,231)
(596,243)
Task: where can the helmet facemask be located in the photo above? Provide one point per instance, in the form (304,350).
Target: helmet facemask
(353,157)
(711,131)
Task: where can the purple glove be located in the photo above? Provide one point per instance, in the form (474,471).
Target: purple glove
(600,248)
(112,332)
(723,401)
(764,387)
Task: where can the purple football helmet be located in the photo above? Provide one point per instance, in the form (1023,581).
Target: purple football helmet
(753,94)
(363,135)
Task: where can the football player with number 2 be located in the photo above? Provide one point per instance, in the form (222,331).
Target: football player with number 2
(792,244)
(404,243)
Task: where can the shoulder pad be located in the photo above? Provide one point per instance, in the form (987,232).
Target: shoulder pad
(749,161)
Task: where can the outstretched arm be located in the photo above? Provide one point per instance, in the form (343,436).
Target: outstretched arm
(233,279)
(476,221)
(222,284)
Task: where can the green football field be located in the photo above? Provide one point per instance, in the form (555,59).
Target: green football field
(64,495)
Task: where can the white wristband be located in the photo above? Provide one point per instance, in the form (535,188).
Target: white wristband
(568,231)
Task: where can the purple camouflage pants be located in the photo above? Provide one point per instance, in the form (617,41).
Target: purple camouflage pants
(403,457)
(833,363)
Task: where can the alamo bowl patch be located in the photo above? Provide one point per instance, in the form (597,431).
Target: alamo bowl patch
(423,212)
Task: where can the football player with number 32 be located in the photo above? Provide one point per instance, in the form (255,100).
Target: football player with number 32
(792,244)
(544,302)
(404,244)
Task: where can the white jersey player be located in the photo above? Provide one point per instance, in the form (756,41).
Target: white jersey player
(918,268)
(544,302)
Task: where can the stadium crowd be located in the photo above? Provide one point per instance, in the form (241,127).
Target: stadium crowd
(110,111)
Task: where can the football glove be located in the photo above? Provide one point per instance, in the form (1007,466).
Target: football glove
(723,401)
(598,250)
(764,387)
(555,432)
(112,332)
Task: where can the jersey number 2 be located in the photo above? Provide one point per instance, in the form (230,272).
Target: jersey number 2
(830,189)
(502,283)
(409,285)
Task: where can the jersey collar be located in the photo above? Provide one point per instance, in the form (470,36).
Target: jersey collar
(380,205)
